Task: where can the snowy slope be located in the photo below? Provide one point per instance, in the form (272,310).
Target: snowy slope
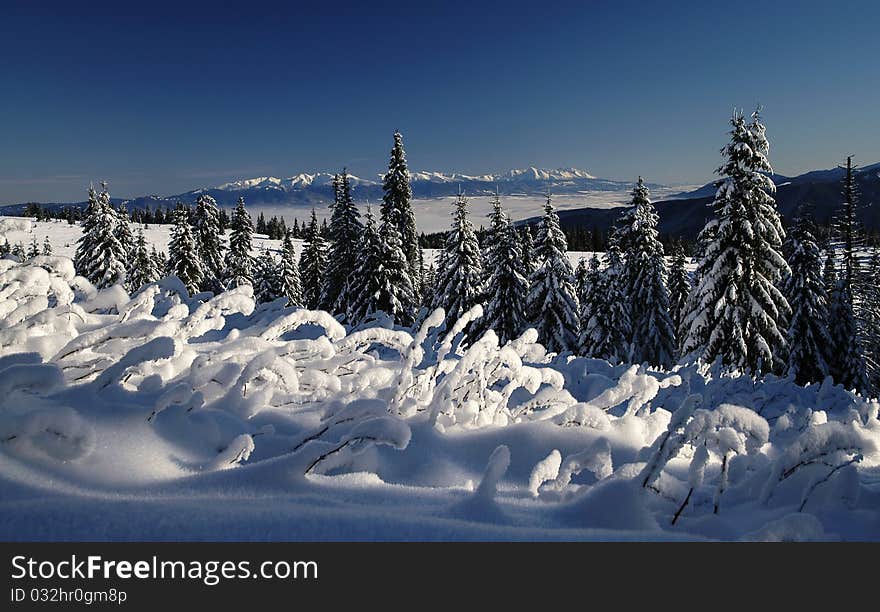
(160,416)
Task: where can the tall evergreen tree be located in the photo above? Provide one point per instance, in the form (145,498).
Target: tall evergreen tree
(313,264)
(268,282)
(239,261)
(99,253)
(552,305)
(847,361)
(506,287)
(607,327)
(209,241)
(808,337)
(581,278)
(460,275)
(871,322)
(345,231)
(679,285)
(183,256)
(142,267)
(736,312)
(381,282)
(83,259)
(291,286)
(527,247)
(123,230)
(653,335)
(397,209)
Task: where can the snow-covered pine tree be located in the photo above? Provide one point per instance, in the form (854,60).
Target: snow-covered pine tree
(808,337)
(123,229)
(142,267)
(160,261)
(679,285)
(581,274)
(653,335)
(871,321)
(380,283)
(607,330)
(847,360)
(460,275)
(829,270)
(527,247)
(33,248)
(83,259)
(429,286)
(239,261)
(737,313)
(313,264)
(847,366)
(345,231)
(47,246)
(99,251)
(291,286)
(268,283)
(363,284)
(209,241)
(552,305)
(18,251)
(397,206)
(506,287)
(183,256)
(395,295)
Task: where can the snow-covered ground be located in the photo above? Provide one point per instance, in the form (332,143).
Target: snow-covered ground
(160,416)
(63,237)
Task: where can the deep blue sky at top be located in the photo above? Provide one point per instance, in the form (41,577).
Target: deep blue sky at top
(166,97)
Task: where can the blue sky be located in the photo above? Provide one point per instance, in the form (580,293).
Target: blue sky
(172,96)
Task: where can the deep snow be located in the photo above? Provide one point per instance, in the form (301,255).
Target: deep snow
(160,416)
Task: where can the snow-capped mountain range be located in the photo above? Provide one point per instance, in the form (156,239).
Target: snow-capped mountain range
(306,180)
(315,188)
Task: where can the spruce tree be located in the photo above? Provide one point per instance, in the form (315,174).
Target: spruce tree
(527,247)
(507,288)
(289,271)
(209,241)
(123,230)
(380,283)
(363,284)
(581,276)
(47,246)
(429,286)
(83,259)
(607,329)
(847,361)
(808,337)
(679,286)
(183,256)
(268,281)
(239,261)
(737,312)
(33,248)
(397,209)
(653,335)
(345,231)
(552,305)
(142,267)
(460,275)
(99,253)
(312,265)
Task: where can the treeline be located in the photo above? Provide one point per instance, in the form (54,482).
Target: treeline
(760,300)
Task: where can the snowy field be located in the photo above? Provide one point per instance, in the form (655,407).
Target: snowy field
(160,416)
(63,237)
